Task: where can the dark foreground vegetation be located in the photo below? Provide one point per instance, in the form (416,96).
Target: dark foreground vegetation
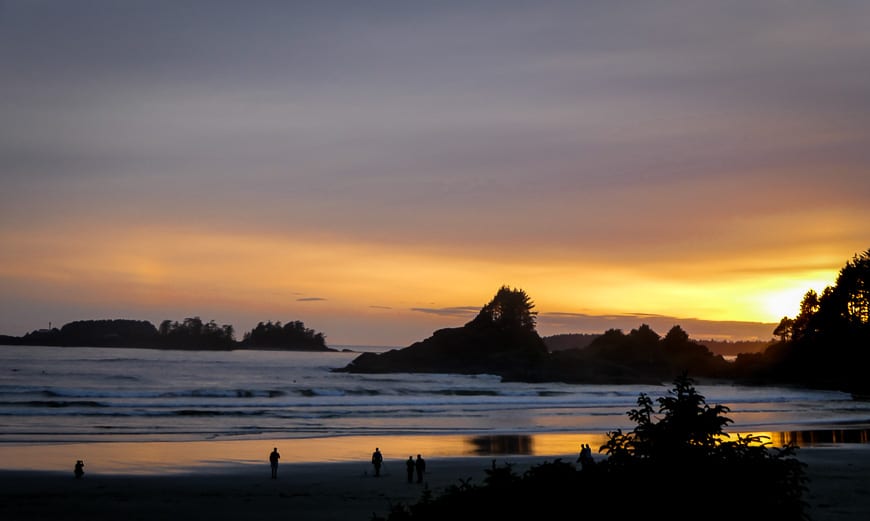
(827,346)
(678,463)
(191,333)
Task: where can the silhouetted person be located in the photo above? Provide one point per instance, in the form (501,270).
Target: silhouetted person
(585,458)
(377,461)
(409,466)
(420,467)
(273,460)
(79,471)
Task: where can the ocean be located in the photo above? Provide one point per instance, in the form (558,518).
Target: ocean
(51,397)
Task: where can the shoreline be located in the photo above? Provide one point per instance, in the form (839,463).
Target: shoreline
(837,489)
(143,457)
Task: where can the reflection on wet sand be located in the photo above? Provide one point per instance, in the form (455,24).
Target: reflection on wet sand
(821,437)
(167,457)
(560,444)
(502,444)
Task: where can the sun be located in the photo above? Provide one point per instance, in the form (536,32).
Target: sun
(783,303)
(786,301)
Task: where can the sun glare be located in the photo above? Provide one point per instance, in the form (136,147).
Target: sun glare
(786,302)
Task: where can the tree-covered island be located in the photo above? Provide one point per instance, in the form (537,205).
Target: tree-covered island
(191,333)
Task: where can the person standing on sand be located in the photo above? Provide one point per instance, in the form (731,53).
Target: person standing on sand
(273,460)
(409,466)
(79,470)
(420,466)
(377,461)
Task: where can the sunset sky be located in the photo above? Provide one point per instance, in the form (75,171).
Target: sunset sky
(377,169)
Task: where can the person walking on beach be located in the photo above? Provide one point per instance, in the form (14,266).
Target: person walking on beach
(409,466)
(79,469)
(377,461)
(420,467)
(273,460)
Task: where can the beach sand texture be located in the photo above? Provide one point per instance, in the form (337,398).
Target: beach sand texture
(839,490)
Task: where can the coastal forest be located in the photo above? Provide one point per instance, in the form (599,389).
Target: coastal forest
(191,333)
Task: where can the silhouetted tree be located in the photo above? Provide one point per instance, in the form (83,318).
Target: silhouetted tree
(509,309)
(784,329)
(644,335)
(165,328)
(854,283)
(676,336)
(801,325)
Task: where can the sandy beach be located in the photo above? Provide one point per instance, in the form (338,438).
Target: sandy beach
(838,490)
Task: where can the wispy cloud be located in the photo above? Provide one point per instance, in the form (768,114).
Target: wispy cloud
(456,311)
(310,299)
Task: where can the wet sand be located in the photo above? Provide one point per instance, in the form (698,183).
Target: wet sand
(839,490)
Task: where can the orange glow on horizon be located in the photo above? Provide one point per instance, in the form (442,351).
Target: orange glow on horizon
(323,276)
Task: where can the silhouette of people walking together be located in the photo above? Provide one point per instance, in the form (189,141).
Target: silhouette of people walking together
(79,470)
(585,459)
(273,461)
(420,467)
(377,461)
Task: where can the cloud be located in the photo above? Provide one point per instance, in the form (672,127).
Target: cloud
(456,311)
(380,307)
(677,146)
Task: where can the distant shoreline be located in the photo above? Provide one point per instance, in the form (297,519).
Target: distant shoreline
(184,349)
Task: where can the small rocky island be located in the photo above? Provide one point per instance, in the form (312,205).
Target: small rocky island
(502,340)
